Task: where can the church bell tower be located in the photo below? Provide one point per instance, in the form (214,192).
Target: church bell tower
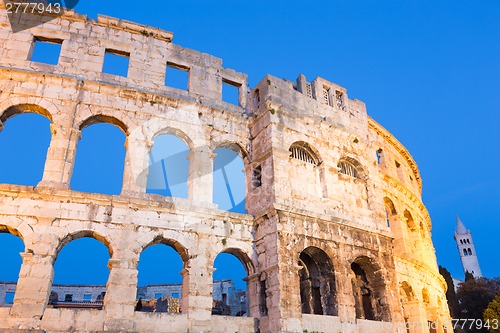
(466,249)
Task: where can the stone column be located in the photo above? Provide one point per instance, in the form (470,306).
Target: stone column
(200,177)
(121,290)
(416,317)
(60,157)
(33,286)
(197,294)
(135,169)
(253,295)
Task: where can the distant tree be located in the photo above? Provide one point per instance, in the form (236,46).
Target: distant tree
(451,295)
(492,315)
(474,295)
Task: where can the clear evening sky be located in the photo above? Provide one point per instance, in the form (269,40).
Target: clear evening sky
(429,72)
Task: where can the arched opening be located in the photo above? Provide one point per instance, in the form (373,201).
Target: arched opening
(363,295)
(11,245)
(302,151)
(369,291)
(229,189)
(410,308)
(168,167)
(353,189)
(100,157)
(24,142)
(317,283)
(229,283)
(160,279)
(305,164)
(81,272)
(409,221)
(464,251)
(390,211)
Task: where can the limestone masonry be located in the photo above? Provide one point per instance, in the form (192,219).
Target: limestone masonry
(336,238)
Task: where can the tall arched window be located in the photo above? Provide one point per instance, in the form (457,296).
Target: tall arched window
(100,157)
(168,167)
(159,286)
(409,221)
(24,141)
(82,262)
(230,292)
(229,188)
(390,210)
(318,293)
(368,288)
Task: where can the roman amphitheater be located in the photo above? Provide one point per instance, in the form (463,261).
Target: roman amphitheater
(335,239)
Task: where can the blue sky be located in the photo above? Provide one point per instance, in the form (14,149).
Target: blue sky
(428,71)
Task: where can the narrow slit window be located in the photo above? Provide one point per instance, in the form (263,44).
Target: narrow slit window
(177,76)
(46,50)
(348,169)
(230,92)
(116,62)
(257,177)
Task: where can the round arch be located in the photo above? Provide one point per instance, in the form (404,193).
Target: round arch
(177,133)
(101,118)
(242,256)
(235,147)
(176,245)
(24,108)
(307,149)
(358,167)
(81,234)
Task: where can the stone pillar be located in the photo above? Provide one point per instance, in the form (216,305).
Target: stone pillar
(135,169)
(416,317)
(121,290)
(197,294)
(60,157)
(33,286)
(253,295)
(200,177)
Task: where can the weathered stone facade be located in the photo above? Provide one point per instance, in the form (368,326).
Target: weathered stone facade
(336,237)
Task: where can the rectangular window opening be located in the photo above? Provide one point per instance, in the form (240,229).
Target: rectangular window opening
(263,299)
(339,99)
(87,297)
(46,50)
(116,62)
(158,295)
(68,298)
(177,76)
(326,96)
(175,295)
(309,92)
(231,92)
(9,297)
(257,177)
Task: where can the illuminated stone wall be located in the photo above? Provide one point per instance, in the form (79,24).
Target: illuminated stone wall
(336,234)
